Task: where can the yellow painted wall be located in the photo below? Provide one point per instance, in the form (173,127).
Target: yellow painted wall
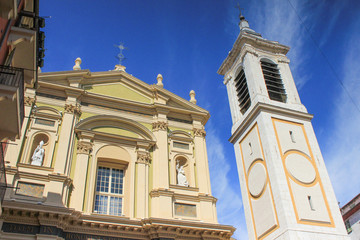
(73,160)
(49,105)
(117,131)
(120,91)
(85,115)
(180,129)
(147,125)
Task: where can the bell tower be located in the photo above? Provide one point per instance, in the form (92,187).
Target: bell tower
(286,190)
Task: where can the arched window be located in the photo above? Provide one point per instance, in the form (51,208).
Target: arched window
(110,184)
(242,91)
(273,81)
(109,192)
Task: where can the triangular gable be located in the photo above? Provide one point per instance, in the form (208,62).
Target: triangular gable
(176,101)
(119,90)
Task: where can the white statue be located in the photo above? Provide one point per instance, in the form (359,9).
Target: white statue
(38,155)
(181,175)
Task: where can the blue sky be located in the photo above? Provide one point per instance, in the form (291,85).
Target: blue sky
(187,40)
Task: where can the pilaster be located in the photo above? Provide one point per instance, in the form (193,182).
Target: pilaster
(84,148)
(66,138)
(202,166)
(160,161)
(142,180)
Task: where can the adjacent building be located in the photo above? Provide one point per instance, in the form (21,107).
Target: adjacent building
(19,49)
(286,190)
(103,155)
(351,216)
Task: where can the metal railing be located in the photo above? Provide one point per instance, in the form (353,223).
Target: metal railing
(14,77)
(2,174)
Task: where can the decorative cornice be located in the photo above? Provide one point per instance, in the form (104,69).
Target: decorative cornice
(75,109)
(74,224)
(84,148)
(259,107)
(29,101)
(227,78)
(143,157)
(159,125)
(255,43)
(198,132)
(284,60)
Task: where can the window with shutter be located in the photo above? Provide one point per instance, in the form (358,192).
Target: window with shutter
(242,91)
(273,81)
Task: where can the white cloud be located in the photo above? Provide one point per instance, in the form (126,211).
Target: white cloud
(342,150)
(278,21)
(229,205)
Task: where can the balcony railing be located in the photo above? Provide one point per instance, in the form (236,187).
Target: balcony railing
(14,77)
(2,174)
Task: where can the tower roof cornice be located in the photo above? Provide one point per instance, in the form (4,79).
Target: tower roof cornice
(244,43)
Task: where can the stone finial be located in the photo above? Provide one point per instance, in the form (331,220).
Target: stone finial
(77,64)
(119,67)
(159,80)
(192,97)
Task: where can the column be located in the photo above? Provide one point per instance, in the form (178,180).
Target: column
(84,148)
(142,183)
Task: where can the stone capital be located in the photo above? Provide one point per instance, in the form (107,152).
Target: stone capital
(198,132)
(247,49)
(84,148)
(75,109)
(283,60)
(160,125)
(143,157)
(29,101)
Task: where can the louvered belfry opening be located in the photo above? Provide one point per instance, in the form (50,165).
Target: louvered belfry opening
(242,91)
(273,81)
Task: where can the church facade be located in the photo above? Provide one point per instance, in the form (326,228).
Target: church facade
(286,190)
(103,155)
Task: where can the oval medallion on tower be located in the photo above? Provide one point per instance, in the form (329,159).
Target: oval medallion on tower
(300,168)
(257,179)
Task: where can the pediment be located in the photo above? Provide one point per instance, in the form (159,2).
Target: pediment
(115,86)
(120,90)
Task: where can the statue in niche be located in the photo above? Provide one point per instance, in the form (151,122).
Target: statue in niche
(38,155)
(182,181)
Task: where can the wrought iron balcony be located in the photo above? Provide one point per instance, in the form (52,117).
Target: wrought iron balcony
(12,83)
(2,174)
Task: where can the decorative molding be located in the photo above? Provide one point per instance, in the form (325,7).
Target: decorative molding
(75,109)
(160,125)
(34,218)
(227,78)
(198,132)
(143,157)
(256,43)
(29,101)
(259,107)
(84,148)
(283,60)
